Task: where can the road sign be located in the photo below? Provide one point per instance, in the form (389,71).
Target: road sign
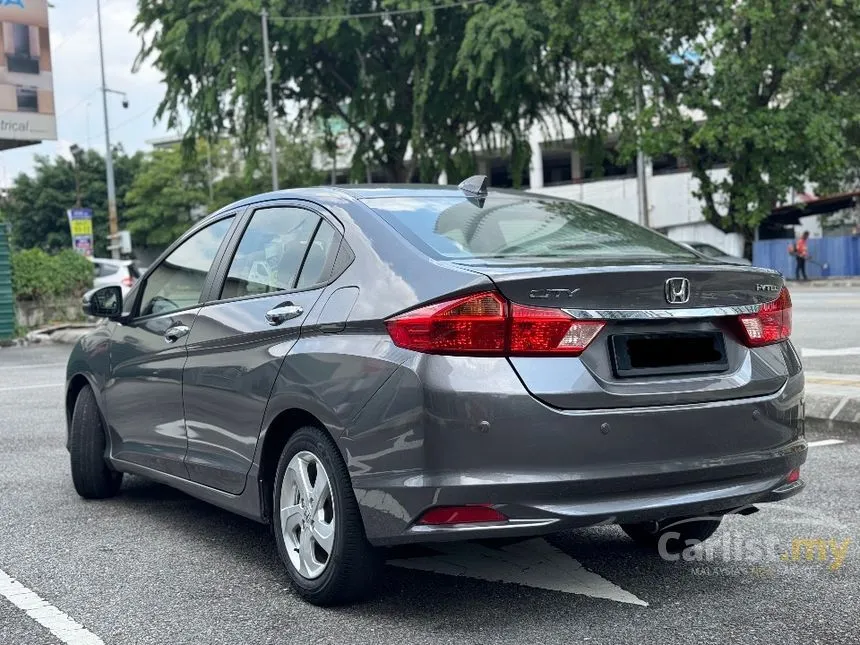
(81,226)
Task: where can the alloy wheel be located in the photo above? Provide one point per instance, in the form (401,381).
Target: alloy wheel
(307,514)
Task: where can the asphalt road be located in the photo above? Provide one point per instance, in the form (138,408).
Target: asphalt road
(154,566)
(827,328)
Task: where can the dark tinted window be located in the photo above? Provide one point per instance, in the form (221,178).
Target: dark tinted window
(510,227)
(317,259)
(271,252)
(177,283)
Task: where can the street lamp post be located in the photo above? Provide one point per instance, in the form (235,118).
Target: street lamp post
(76,153)
(267,64)
(113,221)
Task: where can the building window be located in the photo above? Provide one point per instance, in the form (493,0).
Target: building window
(28,99)
(557,168)
(608,167)
(20,60)
(665,164)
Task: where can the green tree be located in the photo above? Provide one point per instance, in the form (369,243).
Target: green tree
(398,82)
(768,89)
(236,175)
(36,205)
(166,196)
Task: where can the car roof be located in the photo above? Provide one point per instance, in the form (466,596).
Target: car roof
(112,261)
(362,192)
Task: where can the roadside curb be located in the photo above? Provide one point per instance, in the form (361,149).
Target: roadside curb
(846,283)
(60,334)
(833,401)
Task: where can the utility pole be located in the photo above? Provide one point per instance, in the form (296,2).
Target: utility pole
(76,153)
(113,221)
(641,183)
(267,62)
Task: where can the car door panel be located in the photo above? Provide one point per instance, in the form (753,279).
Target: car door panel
(239,341)
(234,356)
(143,397)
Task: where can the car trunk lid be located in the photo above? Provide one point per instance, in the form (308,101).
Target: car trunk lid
(671,336)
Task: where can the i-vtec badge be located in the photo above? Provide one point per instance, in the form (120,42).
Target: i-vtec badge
(551,294)
(767,287)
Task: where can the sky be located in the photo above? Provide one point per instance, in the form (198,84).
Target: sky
(75,54)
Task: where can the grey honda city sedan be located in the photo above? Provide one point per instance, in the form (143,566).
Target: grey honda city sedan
(370,366)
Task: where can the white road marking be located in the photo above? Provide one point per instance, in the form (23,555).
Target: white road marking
(29,387)
(533,563)
(825,442)
(32,367)
(44,613)
(839,407)
(820,353)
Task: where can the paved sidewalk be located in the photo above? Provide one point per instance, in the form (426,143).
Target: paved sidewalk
(833,399)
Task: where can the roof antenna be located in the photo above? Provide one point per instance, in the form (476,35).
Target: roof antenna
(475,188)
(476,185)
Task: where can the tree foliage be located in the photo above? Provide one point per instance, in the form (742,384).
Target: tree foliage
(36,206)
(767,89)
(401,82)
(172,188)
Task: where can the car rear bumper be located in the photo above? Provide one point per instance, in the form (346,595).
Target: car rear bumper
(450,435)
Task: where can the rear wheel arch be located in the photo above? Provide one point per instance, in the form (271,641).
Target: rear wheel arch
(278,433)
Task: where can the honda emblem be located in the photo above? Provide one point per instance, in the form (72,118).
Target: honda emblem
(677,291)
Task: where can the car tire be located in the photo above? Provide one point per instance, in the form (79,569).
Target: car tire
(650,534)
(92,476)
(351,567)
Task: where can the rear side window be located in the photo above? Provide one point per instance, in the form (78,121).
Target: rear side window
(274,248)
(515,227)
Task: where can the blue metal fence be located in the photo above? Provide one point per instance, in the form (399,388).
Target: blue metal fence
(841,255)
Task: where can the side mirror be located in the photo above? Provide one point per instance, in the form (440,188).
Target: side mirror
(105,302)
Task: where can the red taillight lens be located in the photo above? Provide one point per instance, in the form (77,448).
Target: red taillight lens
(461,515)
(538,330)
(486,324)
(793,476)
(476,324)
(771,324)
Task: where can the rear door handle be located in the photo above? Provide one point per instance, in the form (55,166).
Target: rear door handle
(175,333)
(283,313)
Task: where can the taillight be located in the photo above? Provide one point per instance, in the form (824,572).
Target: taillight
(537,330)
(772,323)
(486,324)
(128,281)
(476,324)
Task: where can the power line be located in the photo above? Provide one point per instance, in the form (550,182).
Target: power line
(129,120)
(78,104)
(80,24)
(378,14)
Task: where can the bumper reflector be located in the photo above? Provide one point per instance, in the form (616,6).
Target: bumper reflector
(442,515)
(793,476)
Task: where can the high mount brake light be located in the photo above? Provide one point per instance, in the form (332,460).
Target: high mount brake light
(772,323)
(485,324)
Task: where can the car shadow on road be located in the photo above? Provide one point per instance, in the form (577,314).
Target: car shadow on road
(420,594)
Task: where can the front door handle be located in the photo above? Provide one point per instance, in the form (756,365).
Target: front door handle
(283,313)
(175,333)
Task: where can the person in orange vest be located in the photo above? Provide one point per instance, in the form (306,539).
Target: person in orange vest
(800,251)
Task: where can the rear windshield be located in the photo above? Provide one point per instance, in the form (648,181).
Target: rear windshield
(514,227)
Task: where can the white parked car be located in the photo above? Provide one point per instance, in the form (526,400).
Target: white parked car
(108,272)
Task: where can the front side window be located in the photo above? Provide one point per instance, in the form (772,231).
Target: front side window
(516,227)
(271,252)
(177,283)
